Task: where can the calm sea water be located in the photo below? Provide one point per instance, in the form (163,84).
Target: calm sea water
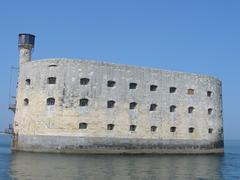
(105,167)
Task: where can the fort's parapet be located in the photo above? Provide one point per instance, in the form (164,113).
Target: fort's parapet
(78,106)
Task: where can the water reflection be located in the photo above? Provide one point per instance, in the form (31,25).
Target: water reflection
(56,166)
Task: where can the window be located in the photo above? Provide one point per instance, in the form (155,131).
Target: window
(83,102)
(51,80)
(153,87)
(153,128)
(191,91)
(132,128)
(26,101)
(83,125)
(111,83)
(110,104)
(190,109)
(210,130)
(132,85)
(52,65)
(84,81)
(132,105)
(209,93)
(173,108)
(28,81)
(110,126)
(172,89)
(172,129)
(210,111)
(191,130)
(153,107)
(50,101)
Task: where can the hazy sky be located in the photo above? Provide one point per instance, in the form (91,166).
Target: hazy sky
(183,35)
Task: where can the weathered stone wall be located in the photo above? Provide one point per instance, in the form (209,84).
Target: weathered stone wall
(63,118)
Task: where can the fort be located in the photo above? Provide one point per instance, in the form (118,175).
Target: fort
(81,106)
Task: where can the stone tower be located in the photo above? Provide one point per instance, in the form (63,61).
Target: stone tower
(25,44)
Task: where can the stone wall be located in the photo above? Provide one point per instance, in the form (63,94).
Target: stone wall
(62,119)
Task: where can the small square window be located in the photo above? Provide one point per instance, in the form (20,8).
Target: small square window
(28,81)
(153,128)
(51,80)
(110,127)
(26,101)
(111,83)
(132,105)
(172,108)
(110,104)
(172,129)
(83,102)
(82,125)
(132,85)
(172,89)
(50,101)
(84,81)
(210,130)
(132,128)
(191,130)
(210,111)
(190,91)
(153,107)
(153,87)
(190,109)
(209,93)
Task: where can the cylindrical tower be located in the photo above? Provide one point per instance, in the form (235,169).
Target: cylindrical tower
(25,44)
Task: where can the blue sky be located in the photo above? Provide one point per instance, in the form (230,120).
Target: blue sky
(194,36)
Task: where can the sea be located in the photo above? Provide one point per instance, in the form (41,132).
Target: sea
(38,166)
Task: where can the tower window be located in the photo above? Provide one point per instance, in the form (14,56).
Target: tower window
(50,101)
(84,81)
(190,109)
(153,107)
(210,130)
(173,129)
(153,128)
(110,126)
(173,108)
(132,85)
(51,80)
(191,130)
(153,87)
(172,89)
(28,81)
(83,125)
(132,128)
(83,102)
(190,91)
(111,83)
(132,105)
(209,93)
(26,101)
(210,111)
(110,104)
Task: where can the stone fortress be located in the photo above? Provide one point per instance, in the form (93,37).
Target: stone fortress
(79,106)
